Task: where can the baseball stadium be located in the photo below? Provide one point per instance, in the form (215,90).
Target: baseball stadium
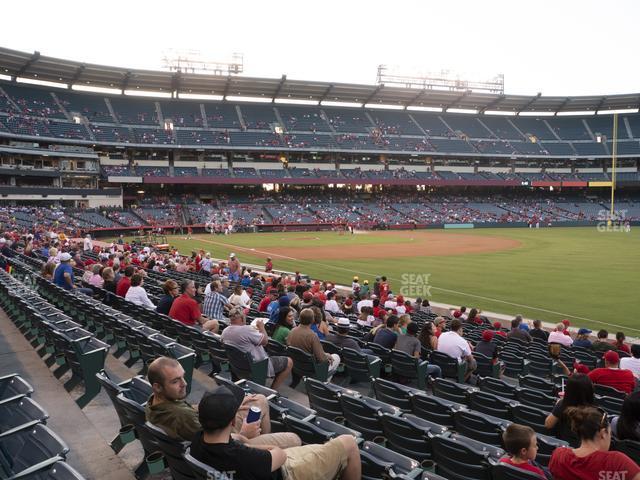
(206,274)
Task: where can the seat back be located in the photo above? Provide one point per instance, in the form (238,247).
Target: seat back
(201,471)
(530,416)
(491,404)
(504,471)
(608,391)
(514,364)
(631,448)
(14,385)
(379,462)
(362,416)
(20,413)
(497,387)
(479,427)
(276,349)
(173,451)
(63,471)
(243,366)
(535,398)
(456,392)
(404,365)
(486,366)
(532,382)
(37,445)
(546,446)
(456,460)
(358,365)
(434,409)
(323,398)
(135,416)
(113,389)
(449,366)
(393,393)
(410,435)
(305,365)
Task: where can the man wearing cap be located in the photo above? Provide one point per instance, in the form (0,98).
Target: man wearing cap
(253,340)
(63,274)
(235,269)
(355,287)
(486,346)
(283,301)
(612,376)
(338,458)
(364,289)
(167,408)
(342,338)
(558,336)
(582,339)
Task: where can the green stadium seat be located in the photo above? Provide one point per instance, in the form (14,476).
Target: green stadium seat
(244,366)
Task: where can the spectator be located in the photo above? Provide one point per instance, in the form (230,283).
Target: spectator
(283,301)
(253,340)
(171,291)
(633,362)
(592,457)
(427,337)
(425,306)
(578,392)
(619,344)
(486,346)
(268,267)
(284,325)
(235,269)
(319,326)
(582,339)
(266,300)
(342,338)
(331,305)
(388,334)
(125,282)
(237,299)
(612,376)
(409,344)
(474,317)
(460,313)
(168,409)
(521,443)
(63,275)
(215,303)
(109,280)
(439,324)
(453,344)
(517,332)
(538,332)
(215,446)
(136,293)
(96,279)
(497,327)
(626,426)
(557,336)
(366,318)
(185,309)
(302,337)
(602,343)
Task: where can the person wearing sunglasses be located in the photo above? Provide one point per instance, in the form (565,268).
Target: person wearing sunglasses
(592,460)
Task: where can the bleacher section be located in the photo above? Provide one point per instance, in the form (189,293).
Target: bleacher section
(305,127)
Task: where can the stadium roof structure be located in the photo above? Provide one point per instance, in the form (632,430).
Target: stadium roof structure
(35,66)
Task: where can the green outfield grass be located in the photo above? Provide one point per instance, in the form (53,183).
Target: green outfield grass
(591,277)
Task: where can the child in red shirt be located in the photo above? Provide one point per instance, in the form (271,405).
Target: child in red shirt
(521,444)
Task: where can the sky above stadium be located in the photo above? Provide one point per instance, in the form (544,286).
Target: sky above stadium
(567,47)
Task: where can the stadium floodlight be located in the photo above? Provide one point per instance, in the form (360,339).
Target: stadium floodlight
(197,96)
(462,110)
(327,103)
(536,114)
(146,93)
(240,98)
(581,113)
(44,83)
(383,106)
(620,110)
(506,113)
(90,88)
(424,109)
(296,101)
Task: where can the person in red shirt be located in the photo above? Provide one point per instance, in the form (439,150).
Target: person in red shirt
(521,444)
(592,460)
(497,326)
(268,267)
(384,290)
(620,345)
(612,376)
(186,310)
(266,300)
(125,282)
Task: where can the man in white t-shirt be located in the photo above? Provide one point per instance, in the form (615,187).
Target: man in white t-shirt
(88,244)
(367,302)
(331,305)
(558,336)
(453,344)
(633,362)
(391,302)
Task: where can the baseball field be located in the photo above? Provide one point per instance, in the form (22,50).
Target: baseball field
(588,276)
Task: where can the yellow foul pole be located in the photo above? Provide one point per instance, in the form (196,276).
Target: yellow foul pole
(614,153)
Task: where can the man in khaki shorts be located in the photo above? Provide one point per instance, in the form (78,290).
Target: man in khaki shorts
(338,458)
